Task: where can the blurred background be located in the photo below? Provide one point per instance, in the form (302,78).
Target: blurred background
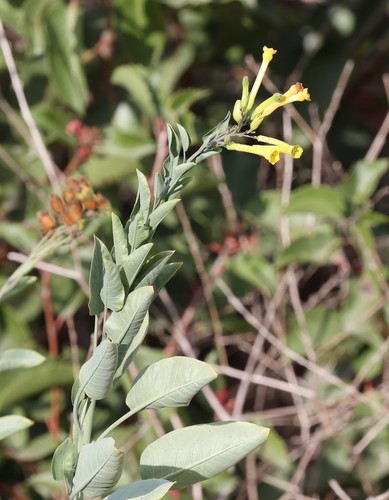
(283,286)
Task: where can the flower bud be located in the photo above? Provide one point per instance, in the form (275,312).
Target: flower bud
(237,112)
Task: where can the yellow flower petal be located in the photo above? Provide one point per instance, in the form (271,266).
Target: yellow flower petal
(271,153)
(291,149)
(267,56)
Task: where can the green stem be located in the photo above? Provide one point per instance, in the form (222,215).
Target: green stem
(95,332)
(116,423)
(88,423)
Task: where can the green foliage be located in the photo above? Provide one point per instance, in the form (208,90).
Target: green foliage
(124,283)
(282,288)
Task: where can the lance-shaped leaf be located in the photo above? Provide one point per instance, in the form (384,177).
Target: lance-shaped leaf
(13,423)
(17,287)
(146,489)
(19,358)
(112,293)
(96,375)
(180,170)
(134,262)
(195,453)
(121,327)
(157,216)
(96,277)
(144,195)
(160,188)
(184,137)
(126,352)
(99,468)
(169,383)
(218,130)
(138,232)
(64,460)
(166,273)
(174,143)
(119,240)
(152,268)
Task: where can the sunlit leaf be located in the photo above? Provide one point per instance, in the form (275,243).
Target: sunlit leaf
(199,452)
(171,382)
(19,358)
(13,423)
(184,137)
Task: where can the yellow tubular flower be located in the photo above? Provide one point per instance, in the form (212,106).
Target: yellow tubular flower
(270,153)
(287,98)
(291,149)
(266,58)
(258,115)
(294,89)
(275,98)
(303,95)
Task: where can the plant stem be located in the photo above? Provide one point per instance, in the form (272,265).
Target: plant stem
(116,423)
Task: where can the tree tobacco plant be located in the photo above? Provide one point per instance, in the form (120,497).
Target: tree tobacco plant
(124,280)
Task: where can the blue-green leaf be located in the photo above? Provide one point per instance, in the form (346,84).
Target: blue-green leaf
(126,352)
(157,216)
(119,240)
(96,375)
(184,137)
(64,460)
(146,489)
(169,383)
(199,452)
(99,468)
(138,232)
(122,326)
(153,268)
(134,262)
(112,293)
(96,277)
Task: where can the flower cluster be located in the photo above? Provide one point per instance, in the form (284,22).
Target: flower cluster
(78,199)
(246,115)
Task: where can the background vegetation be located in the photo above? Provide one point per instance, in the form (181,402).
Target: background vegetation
(283,286)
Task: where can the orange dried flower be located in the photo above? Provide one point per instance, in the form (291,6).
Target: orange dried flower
(74,211)
(90,204)
(102,202)
(56,203)
(46,221)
